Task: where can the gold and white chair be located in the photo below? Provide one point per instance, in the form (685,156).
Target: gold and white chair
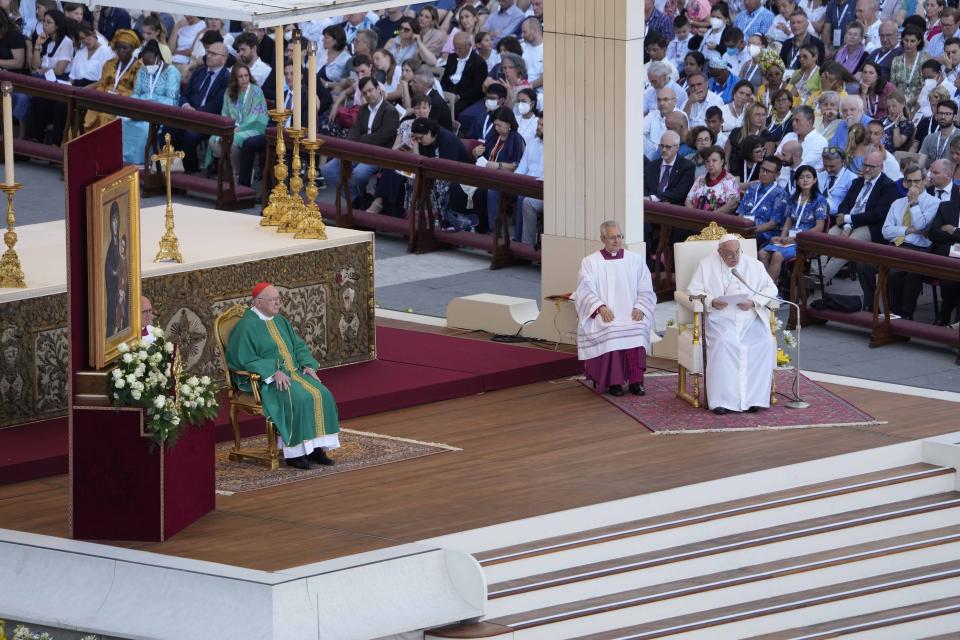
(691,343)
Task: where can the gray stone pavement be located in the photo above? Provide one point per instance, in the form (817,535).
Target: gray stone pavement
(425,284)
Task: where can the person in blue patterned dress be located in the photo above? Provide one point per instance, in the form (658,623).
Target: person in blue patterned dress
(765,202)
(806,211)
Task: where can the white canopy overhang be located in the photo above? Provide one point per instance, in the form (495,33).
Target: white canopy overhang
(263,13)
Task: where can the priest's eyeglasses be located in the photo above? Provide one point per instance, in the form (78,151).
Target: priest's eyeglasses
(729,254)
(616,236)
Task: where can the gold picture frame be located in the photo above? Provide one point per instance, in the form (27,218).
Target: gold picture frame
(113,264)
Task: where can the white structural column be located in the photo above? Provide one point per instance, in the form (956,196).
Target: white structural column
(593,135)
(593,132)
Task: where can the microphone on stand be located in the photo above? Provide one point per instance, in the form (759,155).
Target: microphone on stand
(797,402)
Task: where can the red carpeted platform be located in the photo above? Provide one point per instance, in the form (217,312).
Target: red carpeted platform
(412,368)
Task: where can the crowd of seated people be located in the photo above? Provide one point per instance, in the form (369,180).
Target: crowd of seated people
(406,78)
(802,115)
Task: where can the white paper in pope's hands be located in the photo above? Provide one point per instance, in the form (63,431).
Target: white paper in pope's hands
(735,299)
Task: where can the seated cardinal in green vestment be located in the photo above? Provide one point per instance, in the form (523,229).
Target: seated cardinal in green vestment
(264,342)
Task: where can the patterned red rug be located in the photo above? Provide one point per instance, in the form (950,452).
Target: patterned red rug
(662,412)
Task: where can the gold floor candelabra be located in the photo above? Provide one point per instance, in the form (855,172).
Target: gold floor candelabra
(311,223)
(296,209)
(11,274)
(169,245)
(279,199)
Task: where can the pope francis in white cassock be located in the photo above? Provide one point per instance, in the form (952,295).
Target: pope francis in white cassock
(741,353)
(615,303)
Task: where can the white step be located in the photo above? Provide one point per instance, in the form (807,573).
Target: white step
(771,616)
(644,572)
(822,613)
(729,596)
(754,519)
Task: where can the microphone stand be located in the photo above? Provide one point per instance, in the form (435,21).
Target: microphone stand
(797,402)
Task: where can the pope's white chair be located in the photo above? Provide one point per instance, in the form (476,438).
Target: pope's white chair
(691,343)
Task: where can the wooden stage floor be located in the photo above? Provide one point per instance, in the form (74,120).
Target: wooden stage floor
(526,451)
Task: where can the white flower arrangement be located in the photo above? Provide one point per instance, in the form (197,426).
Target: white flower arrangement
(23,632)
(145,377)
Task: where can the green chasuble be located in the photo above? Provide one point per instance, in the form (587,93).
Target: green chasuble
(305,411)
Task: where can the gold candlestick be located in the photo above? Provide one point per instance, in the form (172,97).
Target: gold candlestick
(169,245)
(295,207)
(311,223)
(11,274)
(279,198)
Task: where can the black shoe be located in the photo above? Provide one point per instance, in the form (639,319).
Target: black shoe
(637,389)
(299,463)
(320,457)
(616,390)
(721,411)
(754,409)
(940,323)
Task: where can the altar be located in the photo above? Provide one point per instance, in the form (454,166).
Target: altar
(327,288)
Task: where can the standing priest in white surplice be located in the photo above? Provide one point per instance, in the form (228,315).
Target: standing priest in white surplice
(740,347)
(615,303)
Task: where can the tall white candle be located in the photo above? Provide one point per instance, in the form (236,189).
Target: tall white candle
(278,65)
(297,79)
(8,133)
(312,93)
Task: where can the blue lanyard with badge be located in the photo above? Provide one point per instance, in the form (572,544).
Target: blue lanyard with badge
(802,208)
(837,31)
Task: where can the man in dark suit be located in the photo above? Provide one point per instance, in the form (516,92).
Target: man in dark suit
(439,109)
(862,211)
(669,178)
(941,181)
(464,73)
(944,233)
(377,125)
(204,92)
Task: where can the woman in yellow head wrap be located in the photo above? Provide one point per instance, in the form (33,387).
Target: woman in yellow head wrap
(118,75)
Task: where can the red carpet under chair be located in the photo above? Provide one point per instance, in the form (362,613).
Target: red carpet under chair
(412,368)
(661,411)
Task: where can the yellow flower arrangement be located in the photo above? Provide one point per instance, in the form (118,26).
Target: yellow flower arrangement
(783,358)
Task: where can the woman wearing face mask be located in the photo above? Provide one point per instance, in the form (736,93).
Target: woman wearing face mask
(158,82)
(874,90)
(719,19)
(852,54)
(751,71)
(526,110)
(501,151)
(905,72)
